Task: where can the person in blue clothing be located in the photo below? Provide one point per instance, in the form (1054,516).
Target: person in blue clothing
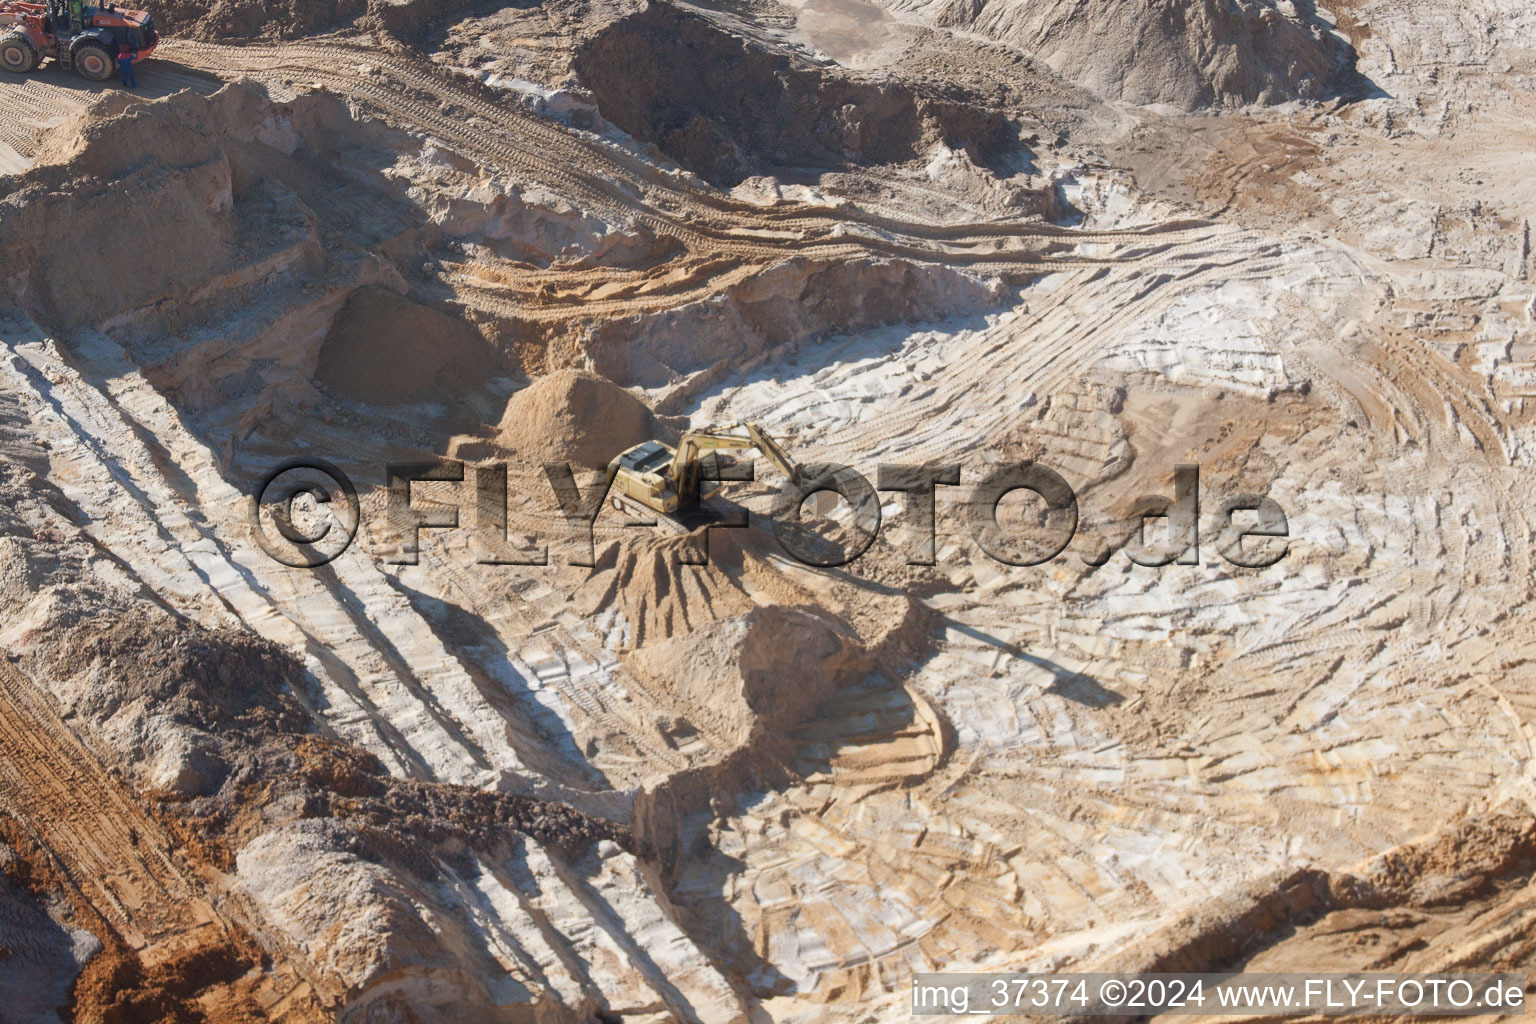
(125,56)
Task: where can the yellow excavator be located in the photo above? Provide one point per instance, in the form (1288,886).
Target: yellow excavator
(653,478)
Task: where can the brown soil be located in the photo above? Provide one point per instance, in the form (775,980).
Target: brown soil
(574,416)
(203,969)
(386,349)
(726,109)
(115,988)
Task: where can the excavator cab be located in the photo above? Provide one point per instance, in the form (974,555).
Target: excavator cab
(649,476)
(647,457)
(653,478)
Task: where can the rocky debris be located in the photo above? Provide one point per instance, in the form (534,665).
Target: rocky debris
(1470,867)
(415,813)
(1464,861)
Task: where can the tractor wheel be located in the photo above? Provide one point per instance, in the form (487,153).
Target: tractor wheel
(17,53)
(94,62)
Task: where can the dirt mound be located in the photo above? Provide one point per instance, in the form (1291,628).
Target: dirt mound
(747,681)
(201,677)
(658,594)
(756,674)
(726,108)
(419,813)
(155,180)
(574,416)
(387,349)
(1186,53)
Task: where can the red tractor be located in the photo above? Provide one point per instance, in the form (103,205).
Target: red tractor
(74,34)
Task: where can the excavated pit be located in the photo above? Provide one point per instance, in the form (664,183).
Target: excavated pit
(726,108)
(318,295)
(438,781)
(385,349)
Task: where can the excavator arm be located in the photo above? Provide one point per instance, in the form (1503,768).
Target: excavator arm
(684,475)
(772,452)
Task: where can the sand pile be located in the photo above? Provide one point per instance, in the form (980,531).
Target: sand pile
(574,416)
(662,597)
(758,672)
(384,348)
(1186,53)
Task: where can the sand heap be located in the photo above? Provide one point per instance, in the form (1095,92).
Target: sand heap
(659,594)
(1185,53)
(763,670)
(574,416)
(384,348)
